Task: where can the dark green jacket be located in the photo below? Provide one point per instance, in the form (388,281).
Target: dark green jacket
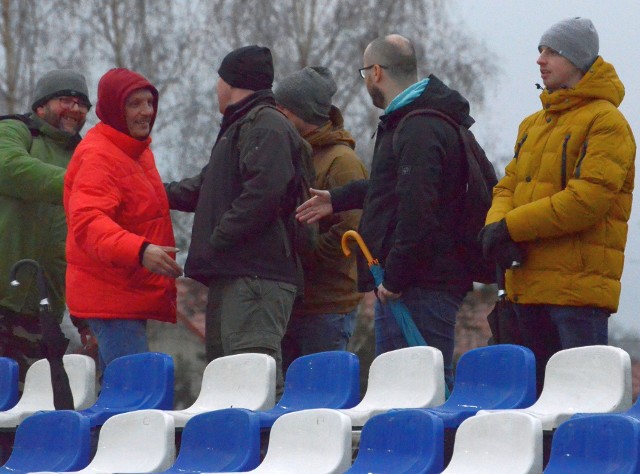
(33,160)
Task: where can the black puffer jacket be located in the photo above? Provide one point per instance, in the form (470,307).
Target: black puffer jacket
(236,198)
(411,202)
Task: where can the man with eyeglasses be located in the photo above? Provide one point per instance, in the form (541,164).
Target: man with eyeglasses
(411,201)
(35,149)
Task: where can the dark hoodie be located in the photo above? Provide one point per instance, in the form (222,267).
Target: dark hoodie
(411,202)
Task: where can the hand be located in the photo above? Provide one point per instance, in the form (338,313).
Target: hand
(385,295)
(316,207)
(156,259)
(509,255)
(492,235)
(89,342)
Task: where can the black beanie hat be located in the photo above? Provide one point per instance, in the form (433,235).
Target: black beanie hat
(249,67)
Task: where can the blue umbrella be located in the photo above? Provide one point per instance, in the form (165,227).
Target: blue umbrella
(398,308)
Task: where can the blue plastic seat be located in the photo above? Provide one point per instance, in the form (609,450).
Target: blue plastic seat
(134,382)
(494,377)
(322,380)
(226,440)
(8,383)
(50,441)
(602,444)
(401,441)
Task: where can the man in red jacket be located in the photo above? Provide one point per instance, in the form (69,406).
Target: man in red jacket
(120,248)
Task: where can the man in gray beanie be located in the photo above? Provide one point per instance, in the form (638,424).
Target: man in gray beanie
(324,319)
(35,149)
(565,199)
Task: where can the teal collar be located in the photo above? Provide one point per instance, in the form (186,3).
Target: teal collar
(407,96)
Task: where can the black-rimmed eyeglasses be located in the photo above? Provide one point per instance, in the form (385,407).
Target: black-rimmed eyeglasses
(363,69)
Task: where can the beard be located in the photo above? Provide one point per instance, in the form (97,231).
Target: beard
(377,97)
(66,121)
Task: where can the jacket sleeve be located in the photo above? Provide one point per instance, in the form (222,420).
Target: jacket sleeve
(21,175)
(350,196)
(92,208)
(598,177)
(183,195)
(421,154)
(344,169)
(266,168)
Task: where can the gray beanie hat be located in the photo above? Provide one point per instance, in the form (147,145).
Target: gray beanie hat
(307,93)
(575,39)
(59,82)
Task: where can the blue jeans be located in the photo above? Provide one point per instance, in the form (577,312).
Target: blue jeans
(317,333)
(434,312)
(547,329)
(119,337)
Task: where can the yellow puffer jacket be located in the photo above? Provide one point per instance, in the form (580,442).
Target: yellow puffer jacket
(567,193)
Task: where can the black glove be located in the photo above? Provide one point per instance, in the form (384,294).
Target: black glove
(498,246)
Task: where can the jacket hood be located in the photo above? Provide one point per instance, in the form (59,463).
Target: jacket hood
(440,97)
(601,82)
(113,90)
(332,132)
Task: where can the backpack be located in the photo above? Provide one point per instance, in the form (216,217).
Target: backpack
(300,239)
(481,178)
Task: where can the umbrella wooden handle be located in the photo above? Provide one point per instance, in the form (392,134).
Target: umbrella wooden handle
(363,247)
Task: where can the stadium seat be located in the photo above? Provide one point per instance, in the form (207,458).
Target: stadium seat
(596,444)
(322,380)
(134,382)
(402,442)
(221,440)
(590,379)
(493,377)
(505,442)
(8,383)
(38,393)
(53,441)
(411,377)
(239,381)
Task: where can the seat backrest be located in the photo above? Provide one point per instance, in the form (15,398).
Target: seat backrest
(587,379)
(81,370)
(495,443)
(138,381)
(240,381)
(220,441)
(37,393)
(134,442)
(401,441)
(51,441)
(8,383)
(322,380)
(412,377)
(599,444)
(498,376)
(314,441)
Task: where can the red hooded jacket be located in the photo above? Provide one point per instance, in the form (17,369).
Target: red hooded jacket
(115,201)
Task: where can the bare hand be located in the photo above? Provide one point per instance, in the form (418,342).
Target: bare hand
(316,208)
(156,259)
(385,295)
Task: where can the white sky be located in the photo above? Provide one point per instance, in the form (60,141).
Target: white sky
(511,30)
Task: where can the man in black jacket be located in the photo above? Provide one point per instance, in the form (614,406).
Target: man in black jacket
(239,246)
(412,201)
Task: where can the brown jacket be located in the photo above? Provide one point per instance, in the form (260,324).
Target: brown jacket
(330,278)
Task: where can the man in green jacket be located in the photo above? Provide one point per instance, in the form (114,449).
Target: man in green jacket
(324,319)
(35,149)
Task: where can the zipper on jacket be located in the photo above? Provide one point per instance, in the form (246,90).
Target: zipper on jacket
(519,145)
(564,160)
(583,152)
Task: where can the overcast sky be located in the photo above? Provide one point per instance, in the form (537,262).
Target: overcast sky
(511,29)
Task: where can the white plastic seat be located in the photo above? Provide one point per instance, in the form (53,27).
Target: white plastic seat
(411,377)
(590,379)
(498,443)
(134,442)
(314,441)
(236,381)
(38,392)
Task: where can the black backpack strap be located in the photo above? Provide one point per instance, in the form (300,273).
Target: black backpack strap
(24,118)
(422,111)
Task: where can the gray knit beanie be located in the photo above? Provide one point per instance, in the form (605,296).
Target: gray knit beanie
(575,39)
(57,83)
(307,93)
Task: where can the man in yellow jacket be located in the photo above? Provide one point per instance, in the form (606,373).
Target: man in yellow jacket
(562,208)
